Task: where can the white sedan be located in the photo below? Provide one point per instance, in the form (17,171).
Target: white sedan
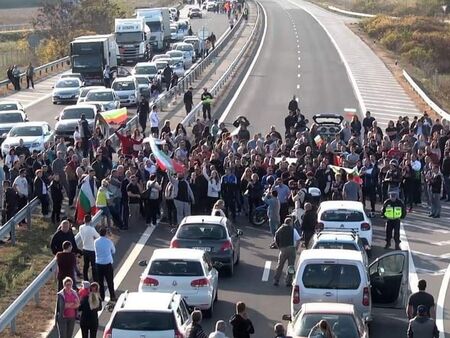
(346,216)
(34,135)
(189,272)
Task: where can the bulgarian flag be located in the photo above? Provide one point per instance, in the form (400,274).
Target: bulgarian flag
(86,200)
(115,116)
(162,159)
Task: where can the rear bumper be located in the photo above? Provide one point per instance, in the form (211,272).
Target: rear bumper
(225,260)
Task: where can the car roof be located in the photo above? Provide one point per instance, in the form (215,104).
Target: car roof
(11,111)
(204,219)
(148,301)
(81,105)
(144,64)
(172,253)
(331,254)
(336,236)
(64,79)
(10,102)
(31,124)
(126,78)
(349,205)
(329,308)
(101,90)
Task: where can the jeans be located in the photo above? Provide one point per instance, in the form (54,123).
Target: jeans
(89,259)
(183,209)
(393,225)
(273,225)
(87,332)
(286,254)
(135,213)
(435,204)
(151,210)
(105,271)
(65,327)
(206,111)
(171,212)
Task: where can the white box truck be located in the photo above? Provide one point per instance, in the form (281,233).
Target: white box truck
(158,20)
(133,40)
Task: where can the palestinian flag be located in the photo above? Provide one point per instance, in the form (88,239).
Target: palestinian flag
(116,116)
(86,200)
(162,159)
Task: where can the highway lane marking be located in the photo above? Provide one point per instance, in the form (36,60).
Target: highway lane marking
(441,243)
(441,303)
(266,272)
(127,265)
(298,86)
(250,69)
(413,279)
(431,272)
(445,256)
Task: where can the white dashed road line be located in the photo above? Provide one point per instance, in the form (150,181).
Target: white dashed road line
(266,272)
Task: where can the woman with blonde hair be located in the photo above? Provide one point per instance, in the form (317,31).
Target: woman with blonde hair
(213,185)
(89,308)
(218,208)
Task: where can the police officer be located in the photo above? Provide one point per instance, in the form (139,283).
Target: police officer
(393,210)
(287,240)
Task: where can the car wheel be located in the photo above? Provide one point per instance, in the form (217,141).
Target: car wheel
(54,102)
(209,312)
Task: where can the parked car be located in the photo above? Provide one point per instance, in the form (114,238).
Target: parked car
(194,41)
(85,90)
(177,67)
(68,119)
(189,272)
(216,235)
(178,56)
(344,321)
(8,119)
(145,68)
(151,315)
(127,89)
(340,276)
(106,98)
(210,6)
(34,135)
(194,13)
(144,84)
(11,105)
(72,75)
(346,215)
(188,52)
(66,90)
(158,56)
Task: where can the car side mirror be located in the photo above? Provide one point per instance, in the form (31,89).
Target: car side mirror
(240,232)
(143,263)
(287,318)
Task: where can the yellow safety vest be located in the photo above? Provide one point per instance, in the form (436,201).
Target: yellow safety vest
(101,200)
(393,212)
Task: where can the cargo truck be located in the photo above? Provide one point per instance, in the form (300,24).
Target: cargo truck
(133,40)
(158,20)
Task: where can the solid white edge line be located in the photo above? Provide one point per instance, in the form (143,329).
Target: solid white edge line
(266,272)
(126,266)
(341,55)
(412,273)
(441,303)
(252,65)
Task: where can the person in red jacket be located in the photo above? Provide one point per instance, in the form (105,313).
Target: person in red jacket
(127,142)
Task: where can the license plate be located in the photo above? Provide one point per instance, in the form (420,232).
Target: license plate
(66,96)
(203,248)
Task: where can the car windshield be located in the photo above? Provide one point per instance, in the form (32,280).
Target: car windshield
(342,215)
(99,96)
(11,117)
(142,80)
(175,267)
(335,245)
(195,10)
(342,325)
(161,65)
(26,131)
(123,85)
(75,113)
(8,106)
(175,54)
(202,231)
(185,48)
(128,37)
(145,70)
(331,276)
(143,321)
(67,84)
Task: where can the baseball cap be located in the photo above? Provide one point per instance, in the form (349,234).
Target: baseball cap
(421,309)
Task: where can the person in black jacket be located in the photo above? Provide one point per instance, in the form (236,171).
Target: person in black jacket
(143,110)
(309,223)
(56,194)
(194,330)
(445,170)
(64,233)
(89,307)
(242,326)
(10,202)
(188,101)
(41,191)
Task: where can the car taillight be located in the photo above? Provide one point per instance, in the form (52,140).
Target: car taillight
(174,243)
(320,226)
(107,333)
(178,334)
(366,297)
(296,295)
(365,226)
(197,283)
(148,281)
(226,246)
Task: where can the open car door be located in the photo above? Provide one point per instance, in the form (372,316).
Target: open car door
(389,280)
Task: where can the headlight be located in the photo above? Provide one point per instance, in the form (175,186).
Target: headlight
(35,144)
(132,96)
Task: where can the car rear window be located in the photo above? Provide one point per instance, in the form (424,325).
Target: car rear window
(176,268)
(335,245)
(331,276)
(342,325)
(202,231)
(143,321)
(123,85)
(342,215)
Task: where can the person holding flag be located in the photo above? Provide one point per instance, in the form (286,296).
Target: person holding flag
(87,196)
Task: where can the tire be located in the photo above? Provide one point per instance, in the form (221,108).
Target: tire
(54,102)
(259,218)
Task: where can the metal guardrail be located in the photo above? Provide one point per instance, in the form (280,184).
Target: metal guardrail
(231,68)
(24,213)
(425,97)
(8,317)
(41,71)
(15,27)
(357,14)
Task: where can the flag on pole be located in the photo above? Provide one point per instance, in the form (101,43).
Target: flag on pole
(356,178)
(162,159)
(86,200)
(115,116)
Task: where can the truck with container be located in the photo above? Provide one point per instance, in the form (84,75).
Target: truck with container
(90,54)
(158,20)
(133,40)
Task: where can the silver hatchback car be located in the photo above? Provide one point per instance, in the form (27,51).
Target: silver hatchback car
(127,89)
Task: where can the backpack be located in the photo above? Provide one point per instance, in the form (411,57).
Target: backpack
(169,193)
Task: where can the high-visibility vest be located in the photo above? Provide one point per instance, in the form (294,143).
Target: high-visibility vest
(393,212)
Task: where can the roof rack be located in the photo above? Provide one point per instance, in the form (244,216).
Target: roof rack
(351,232)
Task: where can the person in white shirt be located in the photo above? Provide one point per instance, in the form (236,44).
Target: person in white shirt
(88,235)
(104,251)
(154,121)
(220,330)
(20,184)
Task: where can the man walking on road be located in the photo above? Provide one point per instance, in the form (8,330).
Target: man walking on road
(143,112)
(421,326)
(30,75)
(423,298)
(88,236)
(167,76)
(187,99)
(85,134)
(287,240)
(104,251)
(242,326)
(393,210)
(206,99)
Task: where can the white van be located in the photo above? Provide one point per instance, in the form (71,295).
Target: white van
(340,276)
